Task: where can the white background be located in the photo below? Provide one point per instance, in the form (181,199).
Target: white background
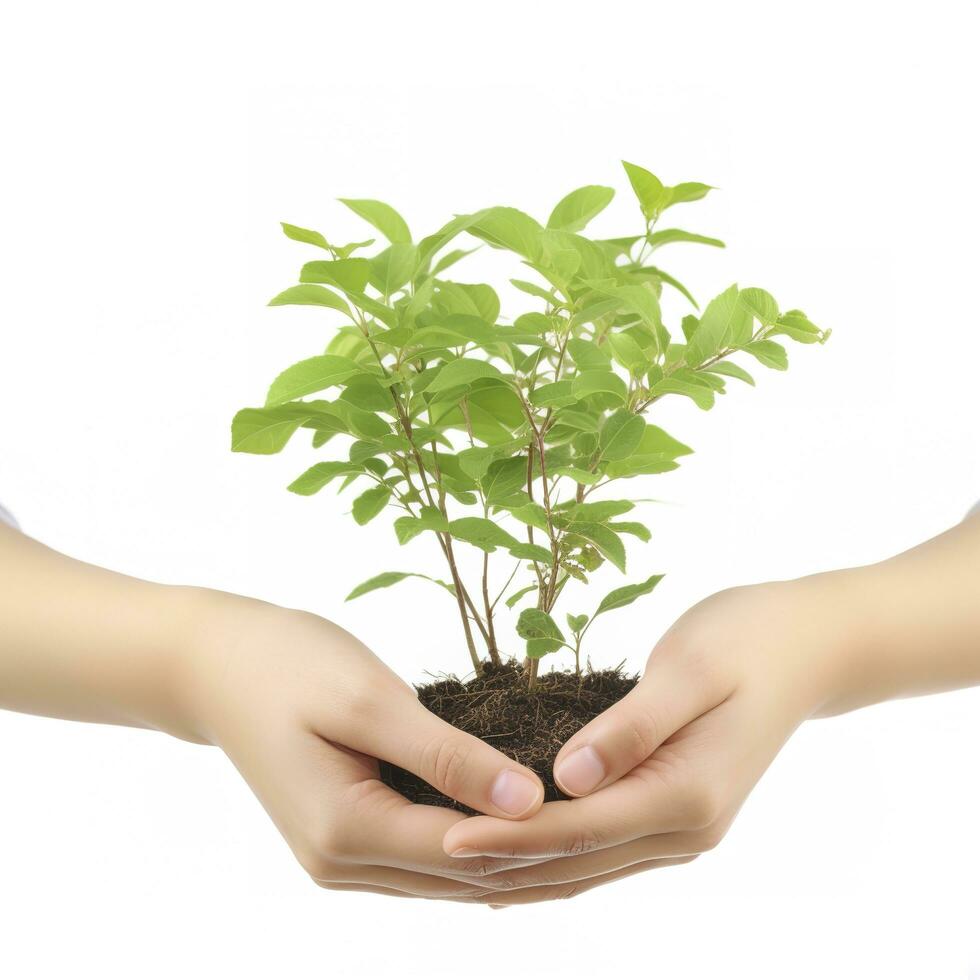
(150,152)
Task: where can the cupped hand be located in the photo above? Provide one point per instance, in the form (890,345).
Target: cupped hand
(659,777)
(304,710)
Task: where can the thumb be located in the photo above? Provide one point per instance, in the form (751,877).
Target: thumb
(460,765)
(669,695)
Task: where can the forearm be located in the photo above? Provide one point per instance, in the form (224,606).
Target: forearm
(83,643)
(912,622)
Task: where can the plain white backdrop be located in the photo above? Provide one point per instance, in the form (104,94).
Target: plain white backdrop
(150,151)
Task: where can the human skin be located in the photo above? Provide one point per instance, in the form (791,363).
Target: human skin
(301,707)
(662,774)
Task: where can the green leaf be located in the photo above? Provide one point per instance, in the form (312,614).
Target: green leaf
(541,632)
(635,528)
(674,284)
(682,193)
(386,579)
(351,275)
(504,477)
(587,355)
(726,322)
(306,235)
(626,594)
(262,431)
(394,267)
(761,305)
(606,540)
(306,377)
(599,511)
(592,382)
(557,393)
(649,190)
(577,474)
(508,228)
(701,395)
(533,514)
(628,353)
(319,475)
(462,372)
(620,434)
(577,623)
(308,295)
(383,216)
(429,519)
(366,393)
(796,325)
(370,503)
(533,289)
(531,552)
(574,211)
(481,532)
(730,370)
(768,353)
(517,596)
(670,235)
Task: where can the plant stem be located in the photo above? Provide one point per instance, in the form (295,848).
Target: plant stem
(531,669)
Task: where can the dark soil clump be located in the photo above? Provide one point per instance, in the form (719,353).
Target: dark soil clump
(528,726)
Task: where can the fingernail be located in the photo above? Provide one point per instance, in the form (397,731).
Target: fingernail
(465,852)
(497,908)
(514,793)
(581,772)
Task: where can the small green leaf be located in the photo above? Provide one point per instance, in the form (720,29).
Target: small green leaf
(649,190)
(386,579)
(382,216)
(319,475)
(730,370)
(768,353)
(508,228)
(504,477)
(577,623)
(635,528)
(481,532)
(606,540)
(370,503)
(429,519)
(626,594)
(599,511)
(628,353)
(539,629)
(532,514)
(592,382)
(620,434)
(726,322)
(531,552)
(670,235)
(263,431)
(587,355)
(351,275)
(761,305)
(306,235)
(394,267)
(517,596)
(309,295)
(462,372)
(574,211)
(306,377)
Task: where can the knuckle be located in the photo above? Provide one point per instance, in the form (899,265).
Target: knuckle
(581,842)
(703,807)
(444,763)
(644,732)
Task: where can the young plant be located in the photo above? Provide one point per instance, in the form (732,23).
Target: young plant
(496,434)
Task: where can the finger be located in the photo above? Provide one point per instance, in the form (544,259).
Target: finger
(670,694)
(645,802)
(410,883)
(460,765)
(568,870)
(375,826)
(550,893)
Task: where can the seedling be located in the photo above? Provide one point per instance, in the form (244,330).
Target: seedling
(507,434)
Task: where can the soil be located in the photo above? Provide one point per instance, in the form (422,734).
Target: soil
(528,726)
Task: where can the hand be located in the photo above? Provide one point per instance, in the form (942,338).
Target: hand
(304,710)
(662,774)
(668,767)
